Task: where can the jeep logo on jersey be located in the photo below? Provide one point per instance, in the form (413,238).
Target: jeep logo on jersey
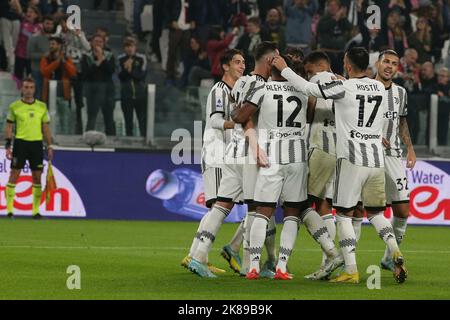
(358,135)
(392,115)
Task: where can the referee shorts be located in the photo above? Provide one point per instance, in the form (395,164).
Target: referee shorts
(33,151)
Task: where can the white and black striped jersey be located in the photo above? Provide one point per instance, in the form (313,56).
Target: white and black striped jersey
(397,107)
(282,123)
(322,133)
(215,140)
(360,105)
(247,89)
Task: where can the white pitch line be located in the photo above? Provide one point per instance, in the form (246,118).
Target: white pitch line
(183,249)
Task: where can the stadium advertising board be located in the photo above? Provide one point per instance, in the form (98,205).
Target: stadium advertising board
(148,186)
(63,202)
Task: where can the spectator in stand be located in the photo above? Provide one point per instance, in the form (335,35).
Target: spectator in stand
(104,33)
(132,72)
(299,15)
(57,66)
(37,47)
(10,15)
(408,70)
(158,24)
(439,32)
(98,68)
(264,7)
(247,43)
(444,105)
(396,36)
(420,99)
(76,46)
(403,9)
(29,26)
(217,44)
(275,29)
(421,40)
(180,25)
(197,65)
(333,32)
(239,10)
(138,8)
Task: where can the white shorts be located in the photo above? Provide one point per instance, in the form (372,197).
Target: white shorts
(230,189)
(354,183)
(397,190)
(322,167)
(286,183)
(250,174)
(211,183)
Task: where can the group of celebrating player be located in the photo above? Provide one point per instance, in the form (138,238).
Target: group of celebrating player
(273,138)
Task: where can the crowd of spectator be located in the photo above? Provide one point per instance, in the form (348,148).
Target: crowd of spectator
(199,31)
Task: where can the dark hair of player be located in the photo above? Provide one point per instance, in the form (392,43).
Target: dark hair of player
(316,56)
(228,55)
(359,58)
(388,51)
(295,52)
(289,62)
(264,48)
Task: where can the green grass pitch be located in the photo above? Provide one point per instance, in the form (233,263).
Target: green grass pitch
(141,260)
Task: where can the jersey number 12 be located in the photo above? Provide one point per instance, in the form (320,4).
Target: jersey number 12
(290,121)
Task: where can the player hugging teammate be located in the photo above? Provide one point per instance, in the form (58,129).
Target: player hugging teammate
(349,158)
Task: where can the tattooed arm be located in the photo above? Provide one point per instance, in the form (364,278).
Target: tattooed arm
(406,138)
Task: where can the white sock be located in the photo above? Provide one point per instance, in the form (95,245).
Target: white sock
(318,230)
(357,222)
(257,237)
(270,240)
(196,240)
(385,231)
(211,227)
(249,218)
(399,226)
(287,241)
(331,227)
(347,242)
(238,236)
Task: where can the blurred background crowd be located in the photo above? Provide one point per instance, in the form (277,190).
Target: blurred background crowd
(125,44)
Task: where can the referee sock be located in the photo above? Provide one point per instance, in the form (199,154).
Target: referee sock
(347,242)
(270,240)
(257,237)
(385,231)
(399,226)
(10,193)
(287,241)
(37,194)
(238,237)
(212,224)
(250,217)
(196,240)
